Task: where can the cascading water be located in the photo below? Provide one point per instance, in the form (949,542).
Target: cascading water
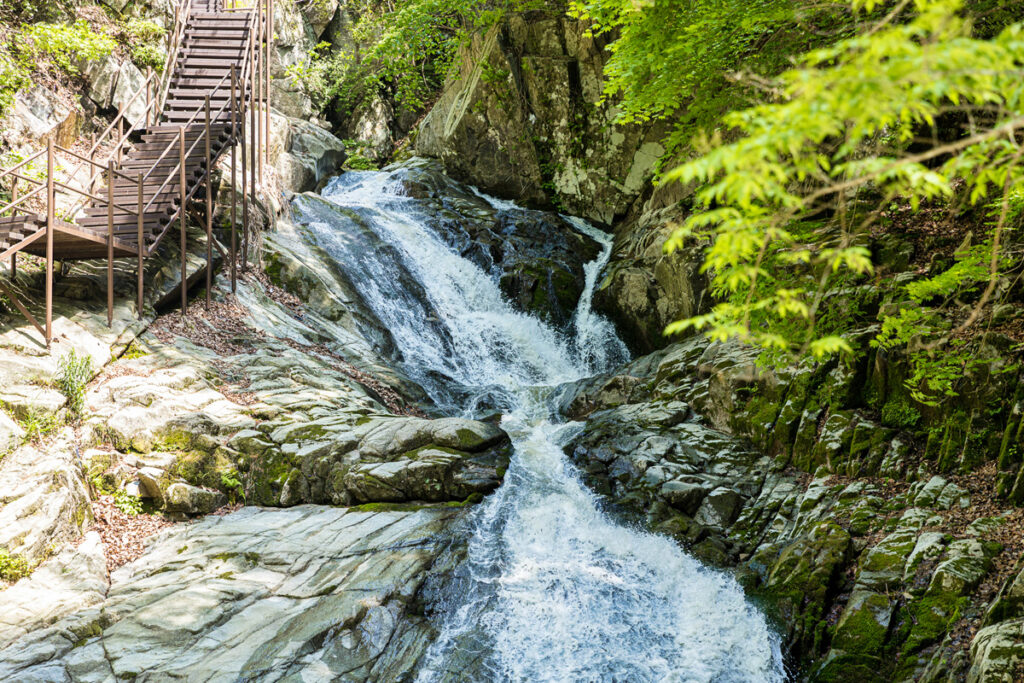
(553,590)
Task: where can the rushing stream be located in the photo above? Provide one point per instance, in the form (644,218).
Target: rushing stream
(553,589)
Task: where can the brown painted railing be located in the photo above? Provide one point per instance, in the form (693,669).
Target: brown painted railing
(248,88)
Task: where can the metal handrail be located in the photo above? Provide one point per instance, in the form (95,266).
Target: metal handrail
(86,160)
(190,150)
(242,83)
(181,15)
(22,199)
(34,181)
(108,202)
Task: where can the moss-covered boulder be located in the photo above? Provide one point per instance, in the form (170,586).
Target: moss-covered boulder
(375,460)
(802,580)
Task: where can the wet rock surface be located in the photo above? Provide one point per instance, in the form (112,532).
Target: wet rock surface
(308,593)
(537,256)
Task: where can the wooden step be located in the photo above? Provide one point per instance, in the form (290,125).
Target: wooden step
(219,96)
(215,44)
(216,32)
(206,62)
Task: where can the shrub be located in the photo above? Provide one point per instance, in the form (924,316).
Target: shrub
(64,44)
(148,55)
(73,373)
(144,31)
(144,38)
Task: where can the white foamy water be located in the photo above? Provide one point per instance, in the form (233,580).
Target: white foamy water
(553,589)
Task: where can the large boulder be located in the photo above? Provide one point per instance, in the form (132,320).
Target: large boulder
(71,581)
(157,406)
(37,114)
(191,500)
(303,153)
(310,593)
(383,460)
(294,39)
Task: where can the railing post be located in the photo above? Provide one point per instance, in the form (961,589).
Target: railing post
(245,178)
(110,242)
(209,210)
(258,161)
(268,39)
(140,250)
(149,96)
(14,256)
(253,142)
(50,220)
(181,211)
(234,191)
(92,160)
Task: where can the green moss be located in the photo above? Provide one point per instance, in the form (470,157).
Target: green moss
(134,350)
(900,414)
(273,268)
(929,619)
(468,439)
(843,668)
(175,440)
(802,578)
(92,630)
(865,625)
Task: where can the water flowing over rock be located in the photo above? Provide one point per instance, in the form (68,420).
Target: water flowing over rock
(540,549)
(293,403)
(537,257)
(856,569)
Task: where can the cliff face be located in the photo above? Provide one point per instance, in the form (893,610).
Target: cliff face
(523,118)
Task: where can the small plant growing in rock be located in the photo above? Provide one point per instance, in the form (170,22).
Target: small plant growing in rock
(73,373)
(13,566)
(39,425)
(127,503)
(358,162)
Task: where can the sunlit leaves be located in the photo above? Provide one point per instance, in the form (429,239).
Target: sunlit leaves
(841,124)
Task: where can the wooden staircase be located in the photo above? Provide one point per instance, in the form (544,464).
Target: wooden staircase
(216,75)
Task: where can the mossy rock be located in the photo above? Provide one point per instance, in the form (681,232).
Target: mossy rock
(840,667)
(802,581)
(205,469)
(864,626)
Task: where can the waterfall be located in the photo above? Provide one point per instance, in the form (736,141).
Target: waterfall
(552,589)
